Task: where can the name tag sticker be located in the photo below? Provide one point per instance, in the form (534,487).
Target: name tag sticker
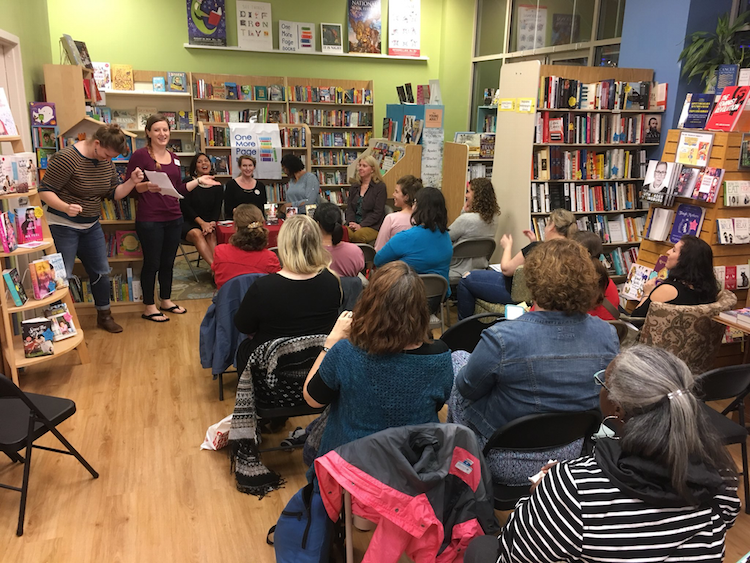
(177,161)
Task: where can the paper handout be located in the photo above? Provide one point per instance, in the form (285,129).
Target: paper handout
(165,185)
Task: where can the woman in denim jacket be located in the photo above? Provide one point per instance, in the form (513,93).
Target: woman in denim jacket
(541,362)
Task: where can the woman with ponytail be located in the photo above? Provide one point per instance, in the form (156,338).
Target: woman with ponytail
(663,489)
(346,258)
(246,252)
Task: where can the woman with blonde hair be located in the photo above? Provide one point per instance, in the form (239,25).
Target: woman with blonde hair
(404,196)
(365,207)
(302,298)
(492,286)
(246,252)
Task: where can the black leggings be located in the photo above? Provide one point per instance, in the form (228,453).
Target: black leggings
(159,241)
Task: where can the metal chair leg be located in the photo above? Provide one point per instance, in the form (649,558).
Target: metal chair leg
(221,386)
(185,256)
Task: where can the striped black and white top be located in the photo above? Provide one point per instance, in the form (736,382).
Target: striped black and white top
(578,514)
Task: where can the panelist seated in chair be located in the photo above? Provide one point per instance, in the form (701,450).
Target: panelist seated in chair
(664,489)
(539,362)
(201,209)
(301,299)
(690,281)
(380,368)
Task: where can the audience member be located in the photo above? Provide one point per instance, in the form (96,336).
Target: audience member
(365,207)
(246,252)
(607,288)
(301,299)
(244,188)
(346,258)
(403,197)
(201,209)
(362,371)
(479,218)
(665,489)
(492,286)
(539,362)
(690,281)
(304,187)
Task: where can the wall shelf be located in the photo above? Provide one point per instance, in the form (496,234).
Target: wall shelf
(314,53)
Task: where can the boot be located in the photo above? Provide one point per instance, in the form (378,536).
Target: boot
(104,320)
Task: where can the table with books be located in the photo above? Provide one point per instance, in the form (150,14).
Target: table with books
(738,319)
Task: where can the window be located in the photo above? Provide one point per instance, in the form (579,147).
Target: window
(490,38)
(611,13)
(607,56)
(547,24)
(486,75)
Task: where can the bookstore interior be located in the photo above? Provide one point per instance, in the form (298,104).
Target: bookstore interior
(641,136)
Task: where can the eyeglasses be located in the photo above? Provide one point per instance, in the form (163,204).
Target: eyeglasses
(599,378)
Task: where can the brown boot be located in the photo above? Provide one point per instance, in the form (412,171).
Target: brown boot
(104,320)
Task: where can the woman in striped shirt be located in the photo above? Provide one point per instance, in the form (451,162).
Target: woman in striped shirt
(664,489)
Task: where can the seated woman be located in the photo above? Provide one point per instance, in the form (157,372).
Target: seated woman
(690,281)
(361,371)
(365,207)
(301,299)
(492,286)
(244,188)
(607,288)
(479,218)
(426,247)
(246,252)
(404,195)
(346,258)
(200,210)
(539,362)
(665,471)
(304,187)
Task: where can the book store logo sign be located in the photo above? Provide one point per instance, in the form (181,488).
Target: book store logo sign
(261,141)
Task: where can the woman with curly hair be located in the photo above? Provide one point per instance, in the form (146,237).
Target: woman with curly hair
(541,362)
(246,252)
(479,218)
(690,281)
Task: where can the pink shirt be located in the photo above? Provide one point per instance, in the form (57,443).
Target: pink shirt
(392,224)
(347,259)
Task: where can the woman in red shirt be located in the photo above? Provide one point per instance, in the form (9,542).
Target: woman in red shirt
(246,252)
(607,288)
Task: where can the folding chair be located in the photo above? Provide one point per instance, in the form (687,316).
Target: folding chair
(465,334)
(24,418)
(481,247)
(275,250)
(185,255)
(369,253)
(436,287)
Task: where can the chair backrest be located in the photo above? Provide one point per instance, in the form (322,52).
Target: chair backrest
(435,285)
(519,290)
(544,431)
(624,329)
(388,209)
(724,383)
(465,334)
(368,251)
(275,250)
(687,330)
(351,288)
(481,247)
(9,390)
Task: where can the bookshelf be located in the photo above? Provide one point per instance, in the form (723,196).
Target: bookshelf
(12,344)
(486,119)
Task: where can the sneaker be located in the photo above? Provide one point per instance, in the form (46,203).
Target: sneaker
(296,438)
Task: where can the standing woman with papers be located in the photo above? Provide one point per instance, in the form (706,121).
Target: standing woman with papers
(158,220)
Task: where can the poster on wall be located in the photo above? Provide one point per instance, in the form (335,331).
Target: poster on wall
(305,37)
(207,22)
(403,28)
(331,38)
(287,36)
(254,26)
(261,141)
(365,26)
(565,29)
(432,147)
(532,27)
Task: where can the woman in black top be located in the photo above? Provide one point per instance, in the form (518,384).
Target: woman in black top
(200,210)
(691,279)
(244,188)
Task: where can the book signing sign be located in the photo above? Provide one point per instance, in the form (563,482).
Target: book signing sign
(254,25)
(207,22)
(403,28)
(261,141)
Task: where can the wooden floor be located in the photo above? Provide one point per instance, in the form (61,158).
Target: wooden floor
(144,405)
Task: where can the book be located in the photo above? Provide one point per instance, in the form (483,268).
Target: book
(653,129)
(29,224)
(660,181)
(637,277)
(725,231)
(142,115)
(730,278)
(694,148)
(37,337)
(699,109)
(74,56)
(688,220)
(261,93)
(103,75)
(686,182)
(159,84)
(729,113)
(15,288)
(661,220)
(8,232)
(401,92)
(125,118)
(58,267)
(61,322)
(741,230)
(660,272)
(128,244)
(743,276)
(708,183)
(42,278)
(736,193)
(726,76)
(84,53)
(7,124)
(43,114)
(122,77)
(171,118)
(176,82)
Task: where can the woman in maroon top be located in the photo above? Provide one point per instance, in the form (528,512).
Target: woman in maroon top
(158,220)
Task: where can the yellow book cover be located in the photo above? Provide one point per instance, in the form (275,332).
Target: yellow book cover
(122,77)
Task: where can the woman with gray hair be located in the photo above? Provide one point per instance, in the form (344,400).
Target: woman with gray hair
(663,489)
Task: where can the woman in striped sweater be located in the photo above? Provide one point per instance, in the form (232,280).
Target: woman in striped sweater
(664,489)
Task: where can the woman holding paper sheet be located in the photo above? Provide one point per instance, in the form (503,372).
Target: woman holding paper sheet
(158,220)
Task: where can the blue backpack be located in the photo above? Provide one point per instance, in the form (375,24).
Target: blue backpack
(303,532)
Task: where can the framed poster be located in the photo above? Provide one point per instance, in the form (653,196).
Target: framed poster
(254,25)
(207,22)
(403,27)
(331,38)
(365,26)
(305,37)
(532,27)
(694,148)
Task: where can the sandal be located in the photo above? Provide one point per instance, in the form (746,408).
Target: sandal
(173,309)
(153,319)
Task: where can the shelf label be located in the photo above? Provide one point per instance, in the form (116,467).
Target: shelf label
(506,104)
(526,105)
(433,118)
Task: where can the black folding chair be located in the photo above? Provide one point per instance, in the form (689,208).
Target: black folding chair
(480,247)
(465,334)
(538,432)
(731,382)
(24,418)
(369,252)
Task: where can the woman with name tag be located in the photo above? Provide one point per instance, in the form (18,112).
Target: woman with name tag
(158,220)
(244,188)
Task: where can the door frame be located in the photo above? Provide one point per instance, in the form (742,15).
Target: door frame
(16,87)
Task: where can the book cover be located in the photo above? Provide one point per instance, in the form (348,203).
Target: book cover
(83,51)
(29,224)
(15,288)
(637,277)
(365,24)
(128,244)
(653,129)
(660,269)
(261,93)
(687,221)
(686,181)
(43,114)
(708,183)
(656,184)
(719,273)
(125,118)
(142,115)
(71,50)
(254,20)
(122,77)
(730,278)
(58,268)
(725,231)
(159,84)
(62,326)
(37,337)
(42,278)
(743,276)
(694,148)
(729,113)
(176,81)
(276,92)
(8,232)
(726,76)
(741,230)
(207,22)
(103,75)
(699,108)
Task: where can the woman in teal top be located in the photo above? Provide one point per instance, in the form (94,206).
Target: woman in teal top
(303,188)
(427,246)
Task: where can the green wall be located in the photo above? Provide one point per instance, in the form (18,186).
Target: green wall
(150,36)
(28,21)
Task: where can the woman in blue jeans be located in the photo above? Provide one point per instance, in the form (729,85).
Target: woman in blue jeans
(77,179)
(489,285)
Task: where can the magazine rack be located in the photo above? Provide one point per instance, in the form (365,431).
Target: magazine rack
(12,345)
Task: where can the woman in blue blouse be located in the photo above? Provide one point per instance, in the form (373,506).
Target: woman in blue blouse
(303,188)
(427,246)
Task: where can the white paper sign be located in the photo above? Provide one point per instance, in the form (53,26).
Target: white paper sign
(165,184)
(403,28)
(532,27)
(287,36)
(261,141)
(432,155)
(305,37)
(254,25)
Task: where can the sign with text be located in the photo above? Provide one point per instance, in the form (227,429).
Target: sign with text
(254,25)
(261,141)
(287,36)
(403,28)
(433,118)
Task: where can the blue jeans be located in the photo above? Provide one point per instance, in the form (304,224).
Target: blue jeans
(160,241)
(487,285)
(90,247)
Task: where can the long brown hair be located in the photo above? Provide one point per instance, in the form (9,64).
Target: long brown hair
(251,234)
(155,118)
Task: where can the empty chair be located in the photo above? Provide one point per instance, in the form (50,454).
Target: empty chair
(465,334)
(186,255)
(482,248)
(436,288)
